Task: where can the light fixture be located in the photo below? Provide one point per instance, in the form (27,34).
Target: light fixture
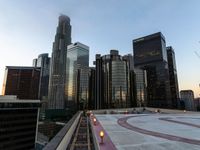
(101,134)
(95,121)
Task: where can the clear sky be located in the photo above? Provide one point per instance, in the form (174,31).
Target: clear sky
(27,29)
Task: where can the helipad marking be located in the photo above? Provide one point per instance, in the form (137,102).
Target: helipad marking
(123,122)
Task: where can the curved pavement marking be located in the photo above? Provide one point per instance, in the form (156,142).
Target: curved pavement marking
(188,118)
(123,122)
(179,122)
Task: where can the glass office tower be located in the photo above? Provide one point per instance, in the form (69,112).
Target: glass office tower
(173,76)
(56,94)
(77,73)
(150,54)
(43,61)
(140,83)
(113,81)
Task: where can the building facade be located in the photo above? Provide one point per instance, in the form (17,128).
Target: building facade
(173,76)
(197,104)
(56,94)
(141,87)
(18,125)
(150,54)
(34,64)
(187,96)
(132,79)
(113,86)
(92,86)
(43,62)
(77,76)
(22,82)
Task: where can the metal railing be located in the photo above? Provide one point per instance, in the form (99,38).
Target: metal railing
(82,139)
(63,137)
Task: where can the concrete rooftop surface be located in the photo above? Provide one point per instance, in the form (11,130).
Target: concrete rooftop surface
(154,131)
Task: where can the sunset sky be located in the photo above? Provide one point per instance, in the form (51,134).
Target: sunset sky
(27,29)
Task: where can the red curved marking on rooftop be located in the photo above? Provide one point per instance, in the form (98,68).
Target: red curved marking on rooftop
(188,118)
(123,122)
(179,122)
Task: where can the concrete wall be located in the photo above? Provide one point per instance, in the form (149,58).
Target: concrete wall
(62,139)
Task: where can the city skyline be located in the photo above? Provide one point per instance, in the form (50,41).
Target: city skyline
(26,33)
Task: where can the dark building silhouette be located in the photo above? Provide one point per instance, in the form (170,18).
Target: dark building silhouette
(98,82)
(187,97)
(18,125)
(132,79)
(113,81)
(150,54)
(22,82)
(92,86)
(56,94)
(34,64)
(43,61)
(173,76)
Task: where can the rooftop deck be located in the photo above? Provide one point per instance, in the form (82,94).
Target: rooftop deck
(152,129)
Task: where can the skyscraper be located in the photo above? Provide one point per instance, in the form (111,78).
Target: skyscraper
(140,83)
(187,96)
(43,61)
(91,89)
(56,94)
(150,54)
(131,79)
(77,75)
(22,82)
(113,86)
(173,76)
